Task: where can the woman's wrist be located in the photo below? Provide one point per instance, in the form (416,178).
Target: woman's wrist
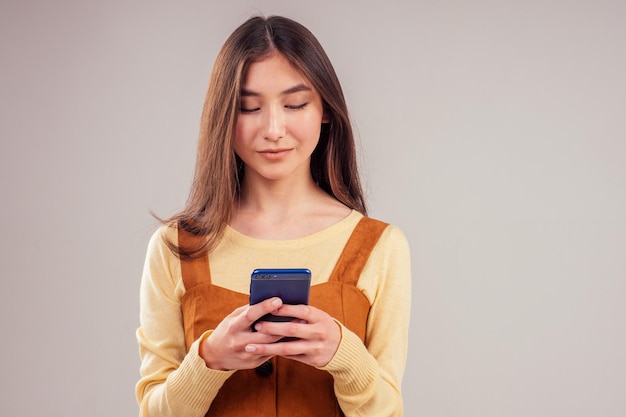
(205,352)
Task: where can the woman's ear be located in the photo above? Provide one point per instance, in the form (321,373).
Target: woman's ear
(325,117)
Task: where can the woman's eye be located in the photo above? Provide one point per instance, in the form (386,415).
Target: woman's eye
(297,107)
(247,110)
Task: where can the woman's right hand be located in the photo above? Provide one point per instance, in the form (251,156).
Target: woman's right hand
(224,350)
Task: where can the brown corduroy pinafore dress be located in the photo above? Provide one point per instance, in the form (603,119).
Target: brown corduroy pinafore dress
(281,387)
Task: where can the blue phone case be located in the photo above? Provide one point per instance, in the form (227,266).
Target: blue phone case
(290,285)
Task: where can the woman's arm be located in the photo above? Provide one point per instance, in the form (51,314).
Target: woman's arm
(173,382)
(368,377)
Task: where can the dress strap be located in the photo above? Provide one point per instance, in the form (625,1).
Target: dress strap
(357,251)
(194,271)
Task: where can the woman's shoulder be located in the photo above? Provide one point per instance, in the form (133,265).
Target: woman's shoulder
(165,230)
(162,236)
(391,235)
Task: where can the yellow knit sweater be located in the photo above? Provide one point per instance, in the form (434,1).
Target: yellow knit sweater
(367,377)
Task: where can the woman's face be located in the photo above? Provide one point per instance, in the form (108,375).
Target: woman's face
(279,121)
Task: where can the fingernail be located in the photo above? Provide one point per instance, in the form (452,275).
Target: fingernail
(276,302)
(250,348)
(257,327)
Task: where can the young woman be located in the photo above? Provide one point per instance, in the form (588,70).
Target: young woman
(276,186)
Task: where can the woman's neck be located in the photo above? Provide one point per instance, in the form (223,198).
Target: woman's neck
(284,209)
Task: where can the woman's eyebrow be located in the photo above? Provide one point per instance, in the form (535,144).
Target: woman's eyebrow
(248,93)
(295,89)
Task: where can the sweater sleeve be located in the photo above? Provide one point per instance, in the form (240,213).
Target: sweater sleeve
(173,382)
(368,376)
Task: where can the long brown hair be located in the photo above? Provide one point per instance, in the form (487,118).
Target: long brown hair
(219,171)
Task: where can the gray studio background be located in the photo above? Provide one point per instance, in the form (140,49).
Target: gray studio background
(492,132)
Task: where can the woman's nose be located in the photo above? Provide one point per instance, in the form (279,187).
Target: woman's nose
(274,124)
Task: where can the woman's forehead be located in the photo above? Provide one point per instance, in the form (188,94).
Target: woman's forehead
(274,73)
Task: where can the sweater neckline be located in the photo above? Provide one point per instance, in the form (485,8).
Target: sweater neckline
(348,222)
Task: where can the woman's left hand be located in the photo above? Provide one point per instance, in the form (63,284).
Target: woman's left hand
(317,335)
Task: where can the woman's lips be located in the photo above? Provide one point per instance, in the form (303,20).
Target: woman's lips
(274,154)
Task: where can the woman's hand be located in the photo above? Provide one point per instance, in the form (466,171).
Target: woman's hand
(318,336)
(224,349)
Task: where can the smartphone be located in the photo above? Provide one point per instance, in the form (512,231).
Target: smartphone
(290,285)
